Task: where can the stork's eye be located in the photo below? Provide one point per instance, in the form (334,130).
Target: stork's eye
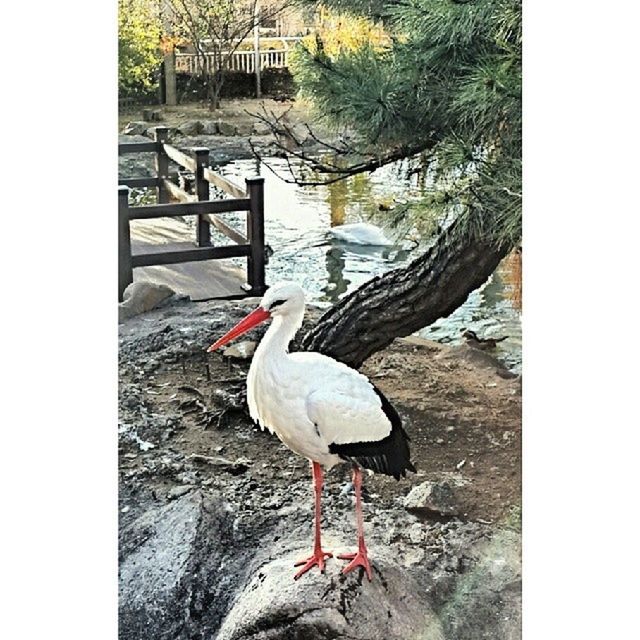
(275,303)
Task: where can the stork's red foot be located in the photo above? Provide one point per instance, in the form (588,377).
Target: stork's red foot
(317,558)
(359,559)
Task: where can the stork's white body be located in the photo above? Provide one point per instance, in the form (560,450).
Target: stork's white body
(309,400)
(319,408)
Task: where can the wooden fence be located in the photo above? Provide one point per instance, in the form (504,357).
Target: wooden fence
(244,61)
(250,200)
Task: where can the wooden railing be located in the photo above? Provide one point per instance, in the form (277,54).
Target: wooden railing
(245,61)
(250,200)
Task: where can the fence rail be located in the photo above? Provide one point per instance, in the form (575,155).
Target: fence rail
(250,200)
(245,61)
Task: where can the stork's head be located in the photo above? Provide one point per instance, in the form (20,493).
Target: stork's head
(283,300)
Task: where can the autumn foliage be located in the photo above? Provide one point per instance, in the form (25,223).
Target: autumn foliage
(139,40)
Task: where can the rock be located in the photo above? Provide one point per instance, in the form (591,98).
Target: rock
(226,128)
(300,132)
(433,497)
(230,400)
(486,602)
(139,297)
(235,468)
(135,128)
(346,489)
(152,115)
(172,555)
(185,572)
(475,357)
(506,373)
(210,128)
(412,557)
(242,350)
(190,128)
(177,492)
(261,128)
(244,129)
(272,606)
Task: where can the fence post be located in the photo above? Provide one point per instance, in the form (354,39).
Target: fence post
(125,270)
(161,136)
(256,48)
(203,231)
(255,235)
(170,93)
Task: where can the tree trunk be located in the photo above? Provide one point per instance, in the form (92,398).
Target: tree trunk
(405,300)
(217,89)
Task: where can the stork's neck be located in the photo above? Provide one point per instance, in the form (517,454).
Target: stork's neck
(280,333)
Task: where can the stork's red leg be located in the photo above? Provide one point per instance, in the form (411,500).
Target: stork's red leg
(360,558)
(318,554)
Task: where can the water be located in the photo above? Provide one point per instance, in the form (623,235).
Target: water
(297,223)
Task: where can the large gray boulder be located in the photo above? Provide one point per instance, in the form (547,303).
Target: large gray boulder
(184,574)
(172,564)
(272,606)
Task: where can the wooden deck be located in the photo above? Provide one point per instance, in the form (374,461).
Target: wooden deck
(199,280)
(169,252)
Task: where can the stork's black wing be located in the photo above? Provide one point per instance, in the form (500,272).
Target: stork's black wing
(389,455)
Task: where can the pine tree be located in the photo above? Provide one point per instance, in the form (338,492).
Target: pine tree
(444,85)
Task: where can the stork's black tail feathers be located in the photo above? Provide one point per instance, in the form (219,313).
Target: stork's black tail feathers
(390,455)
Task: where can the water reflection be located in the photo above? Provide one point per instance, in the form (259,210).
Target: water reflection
(337,284)
(297,224)
(337,200)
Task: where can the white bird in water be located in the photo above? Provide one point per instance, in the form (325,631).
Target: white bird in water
(360,233)
(321,409)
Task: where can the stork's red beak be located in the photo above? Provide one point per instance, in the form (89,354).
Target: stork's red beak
(253,319)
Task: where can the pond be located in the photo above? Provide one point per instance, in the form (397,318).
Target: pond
(298,223)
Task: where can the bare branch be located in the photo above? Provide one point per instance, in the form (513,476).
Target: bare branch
(357,161)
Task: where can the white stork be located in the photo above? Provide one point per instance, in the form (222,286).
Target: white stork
(320,408)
